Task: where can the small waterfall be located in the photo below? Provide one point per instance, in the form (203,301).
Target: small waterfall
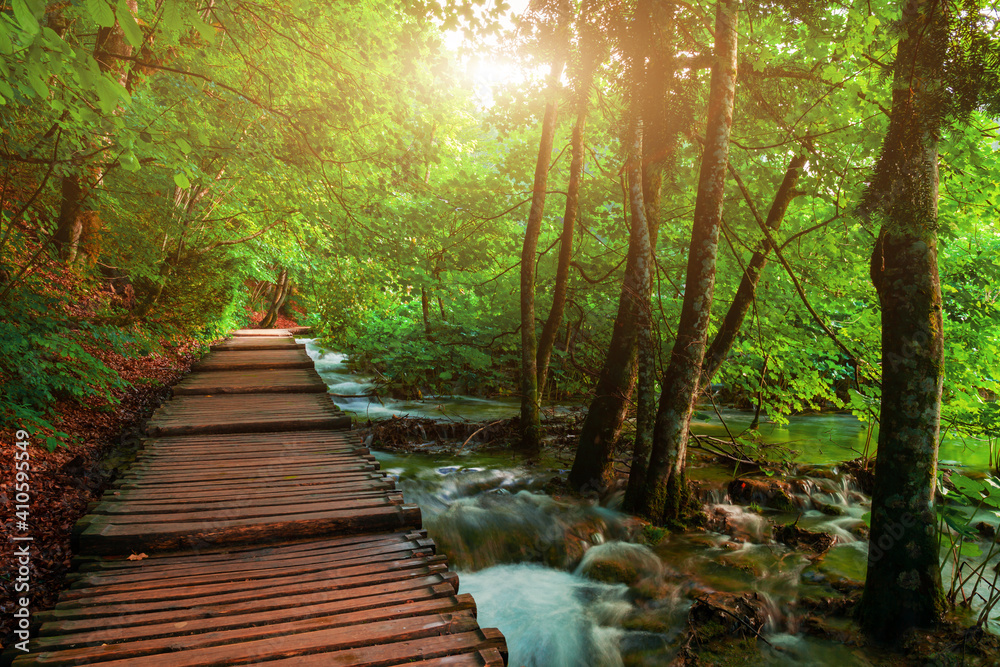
(550,618)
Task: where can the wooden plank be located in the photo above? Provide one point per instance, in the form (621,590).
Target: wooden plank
(151,576)
(255,599)
(198,587)
(254,381)
(147,639)
(271,489)
(258,343)
(154,475)
(253,359)
(201,615)
(262,332)
(99,536)
(185,415)
(490,657)
(207,557)
(395,638)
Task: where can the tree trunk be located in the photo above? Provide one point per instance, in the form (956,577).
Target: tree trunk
(425,310)
(552,324)
(903,587)
(74,214)
(592,467)
(530,417)
(666,485)
(281,290)
(747,291)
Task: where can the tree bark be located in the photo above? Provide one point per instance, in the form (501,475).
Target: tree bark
(592,467)
(425,311)
(903,587)
(281,290)
(75,190)
(747,291)
(530,418)
(551,328)
(666,485)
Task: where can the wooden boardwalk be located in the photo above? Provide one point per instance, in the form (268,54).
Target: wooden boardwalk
(254,528)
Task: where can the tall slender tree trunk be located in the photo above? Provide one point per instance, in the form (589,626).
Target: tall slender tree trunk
(903,587)
(592,466)
(747,291)
(425,311)
(660,136)
(530,417)
(666,483)
(551,328)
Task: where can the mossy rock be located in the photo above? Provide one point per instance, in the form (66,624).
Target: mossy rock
(828,509)
(621,563)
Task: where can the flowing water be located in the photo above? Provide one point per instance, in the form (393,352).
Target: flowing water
(819,439)
(570,583)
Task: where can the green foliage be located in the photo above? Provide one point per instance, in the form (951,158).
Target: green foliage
(42,362)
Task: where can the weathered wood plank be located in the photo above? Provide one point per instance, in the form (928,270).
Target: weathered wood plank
(207,557)
(179,573)
(253,359)
(263,332)
(97,535)
(147,639)
(184,415)
(258,343)
(260,598)
(202,614)
(253,381)
(395,638)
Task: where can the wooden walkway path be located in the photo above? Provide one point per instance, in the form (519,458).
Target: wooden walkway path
(254,528)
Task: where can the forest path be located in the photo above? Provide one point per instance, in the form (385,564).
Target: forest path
(254,527)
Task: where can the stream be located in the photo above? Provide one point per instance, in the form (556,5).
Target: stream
(576,583)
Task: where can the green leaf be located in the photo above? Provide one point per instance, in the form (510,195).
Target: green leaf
(129,162)
(25,17)
(445,375)
(101,12)
(133,35)
(181,179)
(206,31)
(183,145)
(109,93)
(6,48)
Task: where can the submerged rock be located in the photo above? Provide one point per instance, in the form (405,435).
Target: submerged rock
(718,615)
(800,538)
(620,563)
(765,493)
(522,527)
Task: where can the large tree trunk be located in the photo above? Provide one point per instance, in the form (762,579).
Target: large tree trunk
(903,586)
(747,291)
(530,419)
(666,483)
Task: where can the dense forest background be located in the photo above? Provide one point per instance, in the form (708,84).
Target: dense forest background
(470,200)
